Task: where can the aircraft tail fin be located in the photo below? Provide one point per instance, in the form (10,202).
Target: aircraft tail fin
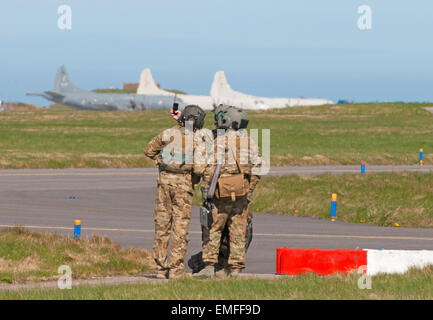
(147,84)
(62,82)
(220,86)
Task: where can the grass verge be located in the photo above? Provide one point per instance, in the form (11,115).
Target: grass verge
(386,133)
(34,256)
(415,284)
(382,199)
(377,199)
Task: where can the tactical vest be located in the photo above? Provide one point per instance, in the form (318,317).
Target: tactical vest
(174,157)
(233,185)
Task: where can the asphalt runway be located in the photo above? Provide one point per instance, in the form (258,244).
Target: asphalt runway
(119,203)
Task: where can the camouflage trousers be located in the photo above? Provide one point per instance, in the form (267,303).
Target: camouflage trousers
(196,261)
(172,216)
(233,215)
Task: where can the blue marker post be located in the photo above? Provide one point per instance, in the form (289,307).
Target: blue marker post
(77,229)
(363,168)
(333,206)
(421,160)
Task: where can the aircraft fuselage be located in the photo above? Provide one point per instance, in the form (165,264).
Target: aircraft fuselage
(115,101)
(66,93)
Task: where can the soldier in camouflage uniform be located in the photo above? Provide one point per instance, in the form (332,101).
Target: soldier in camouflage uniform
(173,151)
(232,213)
(221,268)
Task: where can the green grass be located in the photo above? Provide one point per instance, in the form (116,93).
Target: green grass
(33,256)
(78,139)
(387,133)
(416,284)
(378,199)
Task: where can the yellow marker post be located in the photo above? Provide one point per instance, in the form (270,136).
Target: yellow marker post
(333,207)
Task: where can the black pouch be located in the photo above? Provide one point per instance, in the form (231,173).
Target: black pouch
(205,217)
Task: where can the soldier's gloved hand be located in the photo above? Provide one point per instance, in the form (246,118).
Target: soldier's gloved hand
(204,192)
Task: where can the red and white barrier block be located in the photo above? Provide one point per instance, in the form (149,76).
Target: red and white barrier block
(327,262)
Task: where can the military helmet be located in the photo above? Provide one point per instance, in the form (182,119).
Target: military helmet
(230,117)
(195,113)
(222,108)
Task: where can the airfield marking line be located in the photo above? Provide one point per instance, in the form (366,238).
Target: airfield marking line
(300,235)
(77,174)
(72,228)
(105,210)
(312,170)
(292,171)
(288,235)
(349,171)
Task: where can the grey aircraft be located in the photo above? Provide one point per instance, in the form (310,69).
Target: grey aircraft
(66,93)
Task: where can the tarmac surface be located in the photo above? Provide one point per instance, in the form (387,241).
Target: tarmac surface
(119,203)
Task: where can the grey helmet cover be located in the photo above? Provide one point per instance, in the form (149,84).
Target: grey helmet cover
(230,117)
(195,113)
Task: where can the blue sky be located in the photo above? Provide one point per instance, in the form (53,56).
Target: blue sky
(308,48)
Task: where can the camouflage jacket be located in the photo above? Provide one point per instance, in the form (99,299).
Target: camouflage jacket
(179,155)
(225,148)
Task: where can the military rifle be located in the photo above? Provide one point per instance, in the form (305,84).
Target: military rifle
(206,207)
